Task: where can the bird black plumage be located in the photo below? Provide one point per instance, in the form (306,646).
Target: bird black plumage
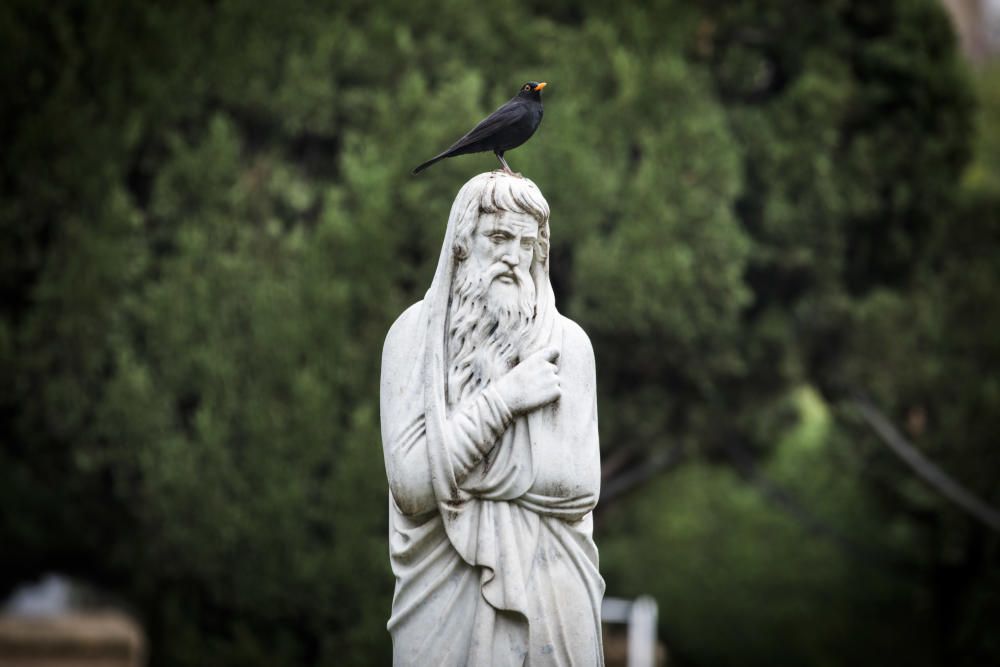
(506,128)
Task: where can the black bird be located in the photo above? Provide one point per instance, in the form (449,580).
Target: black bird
(506,128)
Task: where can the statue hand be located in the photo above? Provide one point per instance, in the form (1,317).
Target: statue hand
(532,383)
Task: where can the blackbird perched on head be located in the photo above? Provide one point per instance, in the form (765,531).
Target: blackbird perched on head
(506,128)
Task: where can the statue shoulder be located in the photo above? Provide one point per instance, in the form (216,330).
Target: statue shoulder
(402,332)
(576,339)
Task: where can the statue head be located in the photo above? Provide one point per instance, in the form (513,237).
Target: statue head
(497,193)
(501,238)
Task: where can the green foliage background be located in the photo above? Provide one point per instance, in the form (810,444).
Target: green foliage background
(760,208)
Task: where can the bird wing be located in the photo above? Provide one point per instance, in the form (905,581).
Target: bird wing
(506,115)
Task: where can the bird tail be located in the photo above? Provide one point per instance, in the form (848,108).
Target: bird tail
(429,163)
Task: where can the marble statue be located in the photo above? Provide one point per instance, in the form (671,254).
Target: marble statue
(489,431)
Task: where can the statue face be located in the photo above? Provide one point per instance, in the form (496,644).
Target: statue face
(503,248)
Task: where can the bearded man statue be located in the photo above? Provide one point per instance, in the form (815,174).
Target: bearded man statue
(489,431)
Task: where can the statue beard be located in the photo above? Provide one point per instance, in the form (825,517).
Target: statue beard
(488,327)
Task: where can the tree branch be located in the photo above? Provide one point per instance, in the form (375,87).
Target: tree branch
(924,467)
(623,482)
(785,501)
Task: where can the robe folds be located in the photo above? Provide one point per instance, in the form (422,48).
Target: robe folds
(490,524)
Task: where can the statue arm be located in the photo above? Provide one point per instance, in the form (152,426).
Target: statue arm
(566,450)
(580,396)
(475,426)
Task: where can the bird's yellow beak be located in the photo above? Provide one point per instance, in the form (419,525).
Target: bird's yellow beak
(541,85)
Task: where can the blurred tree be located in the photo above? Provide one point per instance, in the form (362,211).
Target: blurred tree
(208,225)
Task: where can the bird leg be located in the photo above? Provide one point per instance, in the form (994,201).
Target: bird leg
(506,167)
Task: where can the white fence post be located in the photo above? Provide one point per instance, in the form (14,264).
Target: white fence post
(640,615)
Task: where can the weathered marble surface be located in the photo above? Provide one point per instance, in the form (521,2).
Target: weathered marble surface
(489,430)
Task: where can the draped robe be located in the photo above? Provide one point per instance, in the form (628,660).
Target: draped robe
(490,524)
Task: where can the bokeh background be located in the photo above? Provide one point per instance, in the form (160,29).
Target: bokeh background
(767,214)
